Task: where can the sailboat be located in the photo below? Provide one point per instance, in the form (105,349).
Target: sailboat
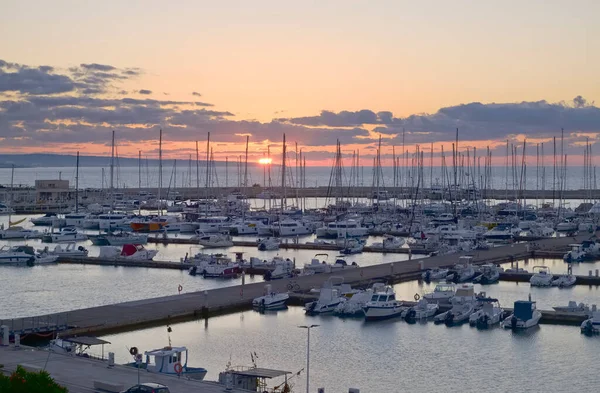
(14,231)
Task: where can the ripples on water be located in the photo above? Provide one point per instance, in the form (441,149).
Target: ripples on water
(387,356)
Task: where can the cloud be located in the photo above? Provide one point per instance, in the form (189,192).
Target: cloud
(98,67)
(144,91)
(34,81)
(340,119)
(195,93)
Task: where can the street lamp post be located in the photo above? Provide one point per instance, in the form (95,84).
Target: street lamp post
(308,354)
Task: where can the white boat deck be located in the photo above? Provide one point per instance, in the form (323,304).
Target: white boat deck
(78,374)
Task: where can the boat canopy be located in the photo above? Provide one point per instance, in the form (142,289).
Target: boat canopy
(260,372)
(524,309)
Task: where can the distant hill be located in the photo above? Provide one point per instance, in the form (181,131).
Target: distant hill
(64,160)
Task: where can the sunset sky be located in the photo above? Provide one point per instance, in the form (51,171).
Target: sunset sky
(319,71)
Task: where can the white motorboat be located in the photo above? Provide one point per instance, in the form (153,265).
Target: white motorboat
(215,240)
(423,309)
(271,300)
(441,294)
(68,234)
(75,219)
(488,315)
(390,243)
(68,250)
(329,299)
(524,316)
(5,209)
(268,244)
(460,312)
(342,230)
(214,266)
(542,277)
(575,254)
(573,308)
(515,270)
(489,274)
(464,303)
(17,255)
(502,232)
(284,268)
(58,345)
(356,303)
(591,325)
(108,222)
(564,281)
(245,227)
(45,220)
(383,305)
(119,239)
(23,255)
(289,227)
(135,252)
(435,274)
(170,361)
(352,246)
(17,232)
(567,225)
(212,224)
(463,271)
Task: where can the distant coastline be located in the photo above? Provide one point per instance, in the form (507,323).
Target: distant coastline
(42,160)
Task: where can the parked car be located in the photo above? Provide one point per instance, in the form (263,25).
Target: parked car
(147,388)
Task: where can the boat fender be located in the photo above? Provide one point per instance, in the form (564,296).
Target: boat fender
(178,368)
(417,297)
(133,351)
(180,288)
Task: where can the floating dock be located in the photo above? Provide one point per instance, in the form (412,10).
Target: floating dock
(192,305)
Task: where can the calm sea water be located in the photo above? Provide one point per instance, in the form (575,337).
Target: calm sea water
(127,177)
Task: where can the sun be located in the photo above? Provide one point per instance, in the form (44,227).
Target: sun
(265,161)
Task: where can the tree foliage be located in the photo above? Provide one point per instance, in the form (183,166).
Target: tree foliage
(22,381)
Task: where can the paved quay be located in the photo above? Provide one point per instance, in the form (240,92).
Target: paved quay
(163,310)
(78,374)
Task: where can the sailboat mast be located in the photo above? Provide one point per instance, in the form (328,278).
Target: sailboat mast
(246,163)
(159,171)
(207,168)
(112,171)
(77,185)
(197,174)
(283,176)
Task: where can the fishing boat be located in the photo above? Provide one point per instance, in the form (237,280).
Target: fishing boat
(488,315)
(441,294)
(383,305)
(564,281)
(271,300)
(435,274)
(591,325)
(68,234)
(268,244)
(524,316)
(542,277)
(215,240)
(170,361)
(135,252)
(423,309)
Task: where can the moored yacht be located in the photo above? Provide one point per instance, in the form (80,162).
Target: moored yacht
(170,361)
(383,305)
(68,234)
(542,277)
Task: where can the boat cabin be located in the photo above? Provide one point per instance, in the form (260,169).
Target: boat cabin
(524,309)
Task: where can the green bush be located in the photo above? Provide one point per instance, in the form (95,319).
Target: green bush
(22,381)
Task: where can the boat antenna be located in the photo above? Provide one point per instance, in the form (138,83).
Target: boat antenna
(169,330)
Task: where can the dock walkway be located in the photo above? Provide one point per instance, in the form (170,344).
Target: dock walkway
(78,374)
(169,309)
